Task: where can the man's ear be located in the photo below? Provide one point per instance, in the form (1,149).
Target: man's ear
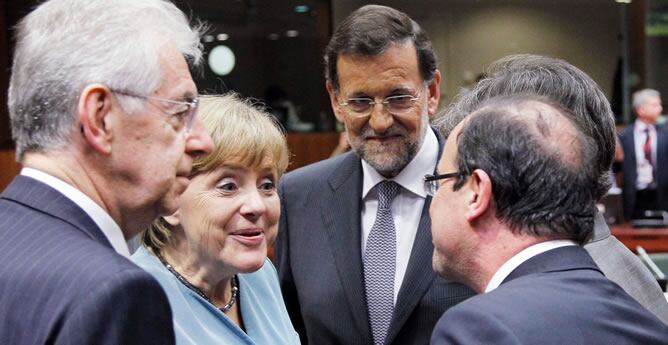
(94,109)
(480,197)
(334,100)
(434,96)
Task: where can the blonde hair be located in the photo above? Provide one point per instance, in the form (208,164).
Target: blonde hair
(242,133)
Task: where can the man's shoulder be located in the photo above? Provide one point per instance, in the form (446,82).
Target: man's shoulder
(626,131)
(320,171)
(51,251)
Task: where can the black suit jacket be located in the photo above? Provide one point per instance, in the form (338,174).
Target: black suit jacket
(629,168)
(318,254)
(557,297)
(61,282)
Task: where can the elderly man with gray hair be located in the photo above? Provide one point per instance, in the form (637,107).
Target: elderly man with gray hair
(576,91)
(645,165)
(102,109)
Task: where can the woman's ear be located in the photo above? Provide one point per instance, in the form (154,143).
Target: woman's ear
(481,195)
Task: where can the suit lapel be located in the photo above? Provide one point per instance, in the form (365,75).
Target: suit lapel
(341,215)
(419,274)
(41,197)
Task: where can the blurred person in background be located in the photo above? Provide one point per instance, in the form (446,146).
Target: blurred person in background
(645,164)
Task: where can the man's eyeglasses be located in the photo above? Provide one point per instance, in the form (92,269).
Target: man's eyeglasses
(396,105)
(185,114)
(431,182)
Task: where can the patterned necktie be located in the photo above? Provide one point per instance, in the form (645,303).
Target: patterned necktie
(380,262)
(647,147)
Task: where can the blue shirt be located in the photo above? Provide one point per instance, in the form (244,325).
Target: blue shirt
(196,321)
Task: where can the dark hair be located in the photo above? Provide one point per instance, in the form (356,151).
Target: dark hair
(539,162)
(370,30)
(559,81)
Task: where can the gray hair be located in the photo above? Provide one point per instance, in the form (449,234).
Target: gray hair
(64,45)
(641,96)
(540,164)
(555,79)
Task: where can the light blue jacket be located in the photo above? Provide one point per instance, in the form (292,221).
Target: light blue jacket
(196,321)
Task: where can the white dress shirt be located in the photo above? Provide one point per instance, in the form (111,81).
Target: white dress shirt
(521,257)
(643,168)
(102,219)
(407,205)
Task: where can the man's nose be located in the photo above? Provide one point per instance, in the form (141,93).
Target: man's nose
(198,140)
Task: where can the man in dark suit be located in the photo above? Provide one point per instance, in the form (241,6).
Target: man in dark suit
(102,107)
(354,245)
(577,92)
(514,199)
(645,164)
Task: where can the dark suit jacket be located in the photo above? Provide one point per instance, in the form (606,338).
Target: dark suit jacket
(629,168)
(318,254)
(61,282)
(557,297)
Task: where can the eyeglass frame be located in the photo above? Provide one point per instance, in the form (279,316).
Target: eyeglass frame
(372,103)
(431,182)
(192,105)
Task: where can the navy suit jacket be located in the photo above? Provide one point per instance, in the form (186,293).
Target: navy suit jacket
(61,282)
(318,254)
(557,297)
(629,168)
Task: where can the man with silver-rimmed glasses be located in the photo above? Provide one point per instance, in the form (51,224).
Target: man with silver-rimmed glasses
(354,245)
(103,113)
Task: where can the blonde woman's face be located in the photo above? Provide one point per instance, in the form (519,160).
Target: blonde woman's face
(230,215)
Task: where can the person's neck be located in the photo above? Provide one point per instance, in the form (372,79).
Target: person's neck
(203,274)
(647,121)
(497,252)
(76,170)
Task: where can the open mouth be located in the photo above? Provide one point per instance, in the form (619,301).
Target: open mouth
(249,237)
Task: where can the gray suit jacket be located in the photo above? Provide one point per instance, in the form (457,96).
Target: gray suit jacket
(318,255)
(61,282)
(623,267)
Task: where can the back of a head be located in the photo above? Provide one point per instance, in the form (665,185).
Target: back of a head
(555,79)
(64,45)
(539,161)
(370,30)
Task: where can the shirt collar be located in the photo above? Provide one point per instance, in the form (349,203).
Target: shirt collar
(102,219)
(524,255)
(410,178)
(640,126)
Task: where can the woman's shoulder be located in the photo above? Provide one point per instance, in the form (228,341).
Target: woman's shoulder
(267,273)
(143,258)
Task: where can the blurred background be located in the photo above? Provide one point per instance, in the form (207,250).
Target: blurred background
(272,50)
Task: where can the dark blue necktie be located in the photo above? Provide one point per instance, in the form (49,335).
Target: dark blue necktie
(379,263)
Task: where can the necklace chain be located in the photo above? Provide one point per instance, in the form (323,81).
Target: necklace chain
(184,281)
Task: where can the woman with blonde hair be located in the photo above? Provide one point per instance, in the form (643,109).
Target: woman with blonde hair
(211,255)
